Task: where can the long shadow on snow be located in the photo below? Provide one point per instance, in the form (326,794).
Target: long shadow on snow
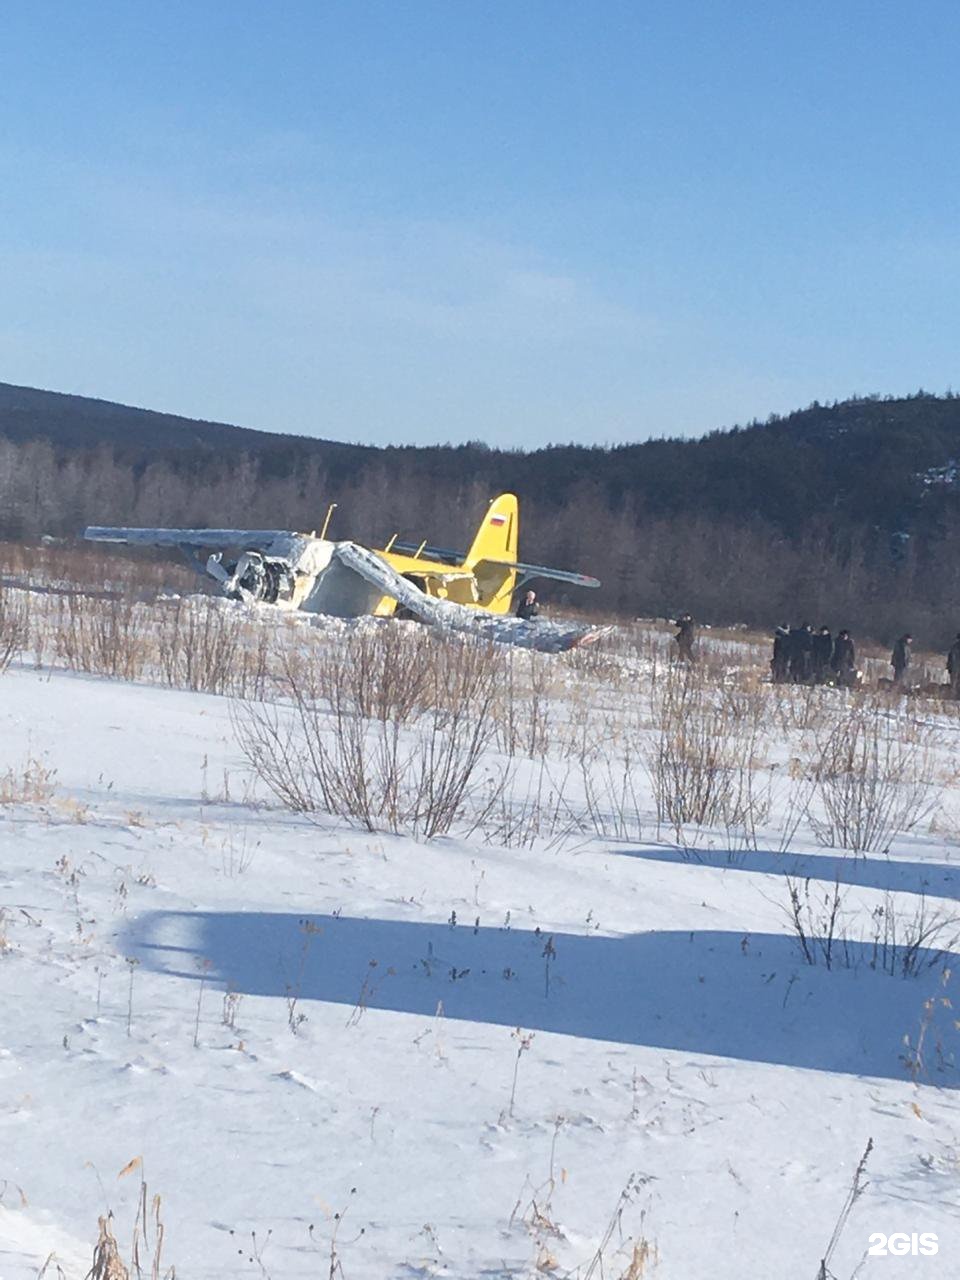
(871,872)
(704,992)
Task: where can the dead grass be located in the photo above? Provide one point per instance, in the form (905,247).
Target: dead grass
(84,566)
(33,782)
(107,1263)
(145,1257)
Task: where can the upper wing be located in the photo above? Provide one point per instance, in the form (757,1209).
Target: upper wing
(443,555)
(240,539)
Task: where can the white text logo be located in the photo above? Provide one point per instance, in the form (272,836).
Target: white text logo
(900,1244)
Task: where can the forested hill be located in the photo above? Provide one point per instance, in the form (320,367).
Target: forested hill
(843,509)
(138,436)
(886,462)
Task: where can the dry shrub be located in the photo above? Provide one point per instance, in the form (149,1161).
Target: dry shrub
(900,940)
(612,802)
(646,642)
(599,661)
(518,816)
(14,626)
(874,777)
(389,679)
(705,753)
(593,793)
(804,707)
(194,642)
(99,636)
(524,721)
(702,745)
(411,766)
(906,944)
(199,644)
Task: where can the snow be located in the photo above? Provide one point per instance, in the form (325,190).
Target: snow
(289,1020)
(940,477)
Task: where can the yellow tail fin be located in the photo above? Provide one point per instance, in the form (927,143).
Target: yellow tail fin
(493,550)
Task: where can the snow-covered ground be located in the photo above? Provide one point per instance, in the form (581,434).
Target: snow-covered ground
(486,1061)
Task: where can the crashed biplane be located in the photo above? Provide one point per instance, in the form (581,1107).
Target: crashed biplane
(471,590)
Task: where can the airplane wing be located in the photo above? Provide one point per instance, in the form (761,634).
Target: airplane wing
(528,571)
(239,539)
(544,636)
(443,555)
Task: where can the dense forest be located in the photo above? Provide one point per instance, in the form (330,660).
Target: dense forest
(845,513)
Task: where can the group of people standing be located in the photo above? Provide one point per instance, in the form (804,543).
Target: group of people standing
(804,656)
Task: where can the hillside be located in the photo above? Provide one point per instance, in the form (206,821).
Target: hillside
(864,460)
(846,512)
(78,423)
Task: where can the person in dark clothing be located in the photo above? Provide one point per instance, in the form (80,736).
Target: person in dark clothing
(801,653)
(795,645)
(780,662)
(900,658)
(822,646)
(528,608)
(843,663)
(686,638)
(953,667)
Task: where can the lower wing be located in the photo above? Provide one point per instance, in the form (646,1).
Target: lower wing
(546,637)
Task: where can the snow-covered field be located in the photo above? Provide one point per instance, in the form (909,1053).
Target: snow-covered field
(341,1052)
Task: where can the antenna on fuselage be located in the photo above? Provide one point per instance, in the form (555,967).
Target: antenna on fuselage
(326,524)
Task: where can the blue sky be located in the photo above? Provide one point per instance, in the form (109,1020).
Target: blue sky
(525,223)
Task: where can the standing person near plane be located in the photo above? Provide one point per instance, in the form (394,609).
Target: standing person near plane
(900,657)
(686,638)
(528,609)
(822,644)
(780,662)
(844,660)
(953,667)
(801,653)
